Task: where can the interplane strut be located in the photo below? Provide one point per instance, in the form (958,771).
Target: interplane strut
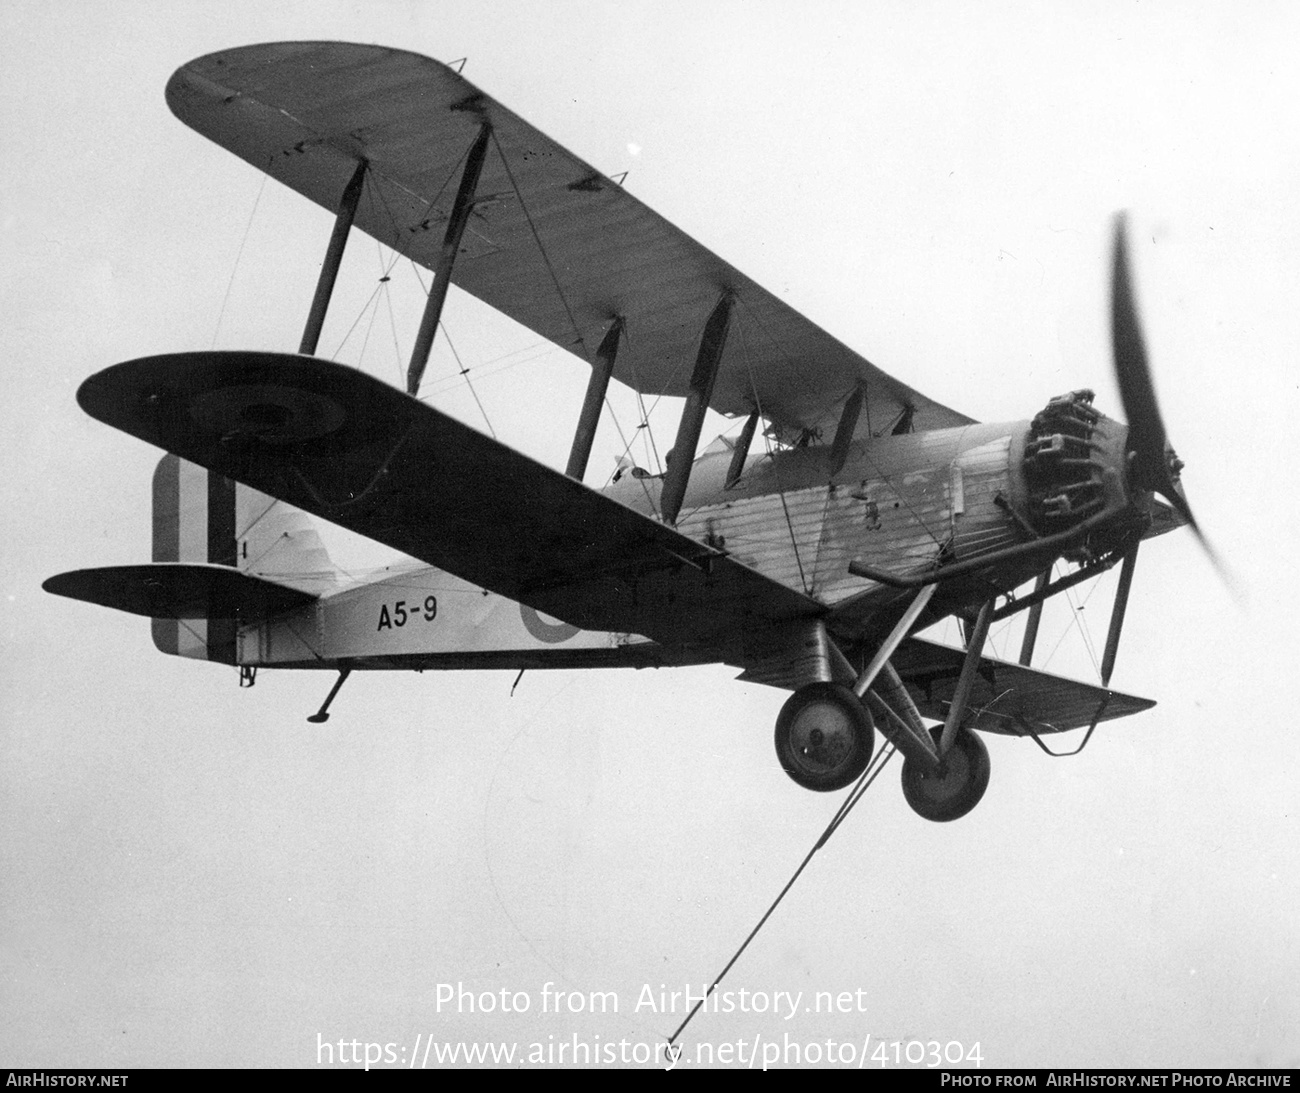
(329,270)
(446,260)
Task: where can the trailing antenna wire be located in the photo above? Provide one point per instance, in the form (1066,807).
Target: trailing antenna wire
(855,795)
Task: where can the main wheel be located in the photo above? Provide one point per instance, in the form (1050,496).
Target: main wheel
(824,737)
(956,787)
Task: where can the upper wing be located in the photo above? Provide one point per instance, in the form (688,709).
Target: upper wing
(553,243)
(347,447)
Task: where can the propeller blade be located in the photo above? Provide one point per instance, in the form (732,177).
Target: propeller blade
(1146,430)
(1147,441)
(1150,467)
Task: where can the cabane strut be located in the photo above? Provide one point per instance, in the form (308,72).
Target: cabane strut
(741,450)
(712,343)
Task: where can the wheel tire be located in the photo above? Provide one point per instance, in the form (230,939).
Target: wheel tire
(824,737)
(956,787)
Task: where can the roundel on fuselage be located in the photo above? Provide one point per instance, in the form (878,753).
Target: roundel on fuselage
(550,632)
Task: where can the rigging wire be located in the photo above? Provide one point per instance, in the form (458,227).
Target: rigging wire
(637,386)
(437,387)
(370,326)
(627,446)
(385,284)
(546,258)
(771,338)
(1075,620)
(465,372)
(428,205)
(374,296)
(767,442)
(901,497)
(292,624)
(372,306)
(1082,623)
(460,365)
(897,493)
(259,517)
(651,451)
(659,397)
(234,269)
(250,564)
(375,195)
(397,349)
(995,637)
(385,275)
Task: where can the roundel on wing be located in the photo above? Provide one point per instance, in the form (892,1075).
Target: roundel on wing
(542,630)
(272,412)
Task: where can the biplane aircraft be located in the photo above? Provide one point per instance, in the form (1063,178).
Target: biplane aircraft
(870,513)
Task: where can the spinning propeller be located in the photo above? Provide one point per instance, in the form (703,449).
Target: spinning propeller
(1152,462)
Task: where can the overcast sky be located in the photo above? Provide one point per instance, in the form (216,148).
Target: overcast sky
(195,875)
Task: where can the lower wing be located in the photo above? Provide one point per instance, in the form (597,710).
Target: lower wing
(346,447)
(1007,698)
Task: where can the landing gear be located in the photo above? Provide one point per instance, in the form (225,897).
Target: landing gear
(824,737)
(956,787)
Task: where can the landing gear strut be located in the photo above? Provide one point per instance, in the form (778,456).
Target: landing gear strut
(824,737)
(956,786)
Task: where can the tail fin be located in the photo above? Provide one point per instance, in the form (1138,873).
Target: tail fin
(202,517)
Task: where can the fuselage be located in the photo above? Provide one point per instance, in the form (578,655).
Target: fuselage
(906,504)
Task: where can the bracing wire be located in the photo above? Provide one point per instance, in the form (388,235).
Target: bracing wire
(1082,624)
(627,447)
(638,387)
(465,372)
(651,451)
(361,314)
(259,517)
(767,441)
(234,269)
(485,371)
(370,326)
(1075,620)
(397,349)
(546,258)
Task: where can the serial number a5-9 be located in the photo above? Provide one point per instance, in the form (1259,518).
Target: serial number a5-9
(403,612)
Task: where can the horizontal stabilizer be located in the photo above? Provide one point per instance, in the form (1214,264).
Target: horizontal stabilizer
(347,447)
(1007,698)
(179,591)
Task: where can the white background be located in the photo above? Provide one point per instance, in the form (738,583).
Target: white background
(194,875)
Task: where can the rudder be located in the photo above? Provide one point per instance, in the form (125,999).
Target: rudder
(203,517)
